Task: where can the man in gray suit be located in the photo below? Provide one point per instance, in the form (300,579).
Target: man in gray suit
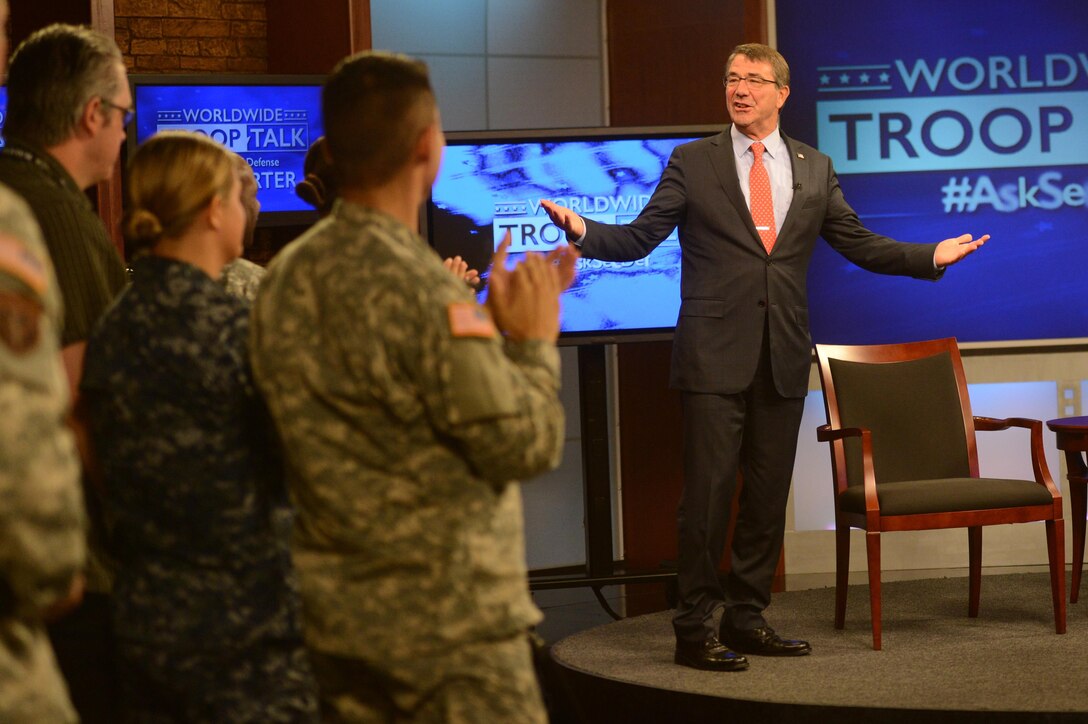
(749,203)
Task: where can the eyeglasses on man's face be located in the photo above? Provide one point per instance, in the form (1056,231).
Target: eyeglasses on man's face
(128,111)
(754,81)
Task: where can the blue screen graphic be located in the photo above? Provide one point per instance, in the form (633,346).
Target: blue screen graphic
(3,112)
(484,190)
(944,118)
(271,126)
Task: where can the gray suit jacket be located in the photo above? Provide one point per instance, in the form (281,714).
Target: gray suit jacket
(729,284)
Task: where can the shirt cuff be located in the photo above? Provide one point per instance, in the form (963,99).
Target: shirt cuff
(585,230)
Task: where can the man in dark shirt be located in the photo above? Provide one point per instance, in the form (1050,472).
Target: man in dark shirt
(68,104)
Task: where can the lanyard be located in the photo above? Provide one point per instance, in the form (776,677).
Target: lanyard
(36,161)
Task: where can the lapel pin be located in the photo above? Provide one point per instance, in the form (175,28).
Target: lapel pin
(800,155)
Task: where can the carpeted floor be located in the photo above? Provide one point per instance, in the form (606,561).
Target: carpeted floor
(1007,660)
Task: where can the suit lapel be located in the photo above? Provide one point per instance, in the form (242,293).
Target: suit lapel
(801,186)
(725,166)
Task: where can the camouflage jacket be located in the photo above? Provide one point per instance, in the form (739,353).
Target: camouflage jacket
(405,419)
(242,278)
(194,484)
(41,506)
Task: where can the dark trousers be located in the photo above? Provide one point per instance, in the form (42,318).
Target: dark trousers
(86,653)
(755,432)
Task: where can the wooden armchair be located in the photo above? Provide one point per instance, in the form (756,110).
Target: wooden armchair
(904,457)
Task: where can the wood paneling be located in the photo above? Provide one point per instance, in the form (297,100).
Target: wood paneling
(666,59)
(27,16)
(312,37)
(651,454)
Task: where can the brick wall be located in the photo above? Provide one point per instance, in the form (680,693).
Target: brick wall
(193,36)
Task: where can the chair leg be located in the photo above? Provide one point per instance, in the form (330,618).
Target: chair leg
(1078,504)
(872,549)
(974,558)
(1055,545)
(842,573)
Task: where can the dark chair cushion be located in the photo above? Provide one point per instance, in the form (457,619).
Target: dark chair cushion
(913,410)
(912,497)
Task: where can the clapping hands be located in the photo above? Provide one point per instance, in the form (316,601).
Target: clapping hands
(524,301)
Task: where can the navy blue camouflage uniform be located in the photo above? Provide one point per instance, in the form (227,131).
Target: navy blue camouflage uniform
(205,603)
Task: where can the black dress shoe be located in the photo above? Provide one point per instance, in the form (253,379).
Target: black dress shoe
(709,655)
(764,642)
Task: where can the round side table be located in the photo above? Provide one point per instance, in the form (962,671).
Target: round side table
(1072,435)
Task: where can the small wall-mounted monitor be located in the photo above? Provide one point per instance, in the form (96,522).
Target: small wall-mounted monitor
(268,120)
(492,182)
(3,112)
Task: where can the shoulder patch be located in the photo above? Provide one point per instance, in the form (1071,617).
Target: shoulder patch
(468,319)
(17,260)
(20,322)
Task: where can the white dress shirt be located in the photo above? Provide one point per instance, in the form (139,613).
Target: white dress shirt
(776,159)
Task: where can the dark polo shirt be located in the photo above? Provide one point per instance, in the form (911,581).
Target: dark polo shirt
(89,270)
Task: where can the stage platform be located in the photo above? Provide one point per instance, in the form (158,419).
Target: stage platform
(937,665)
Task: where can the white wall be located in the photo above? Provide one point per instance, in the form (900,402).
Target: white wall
(502,64)
(505,64)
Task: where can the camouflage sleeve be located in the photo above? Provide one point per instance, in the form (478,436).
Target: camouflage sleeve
(242,278)
(41,507)
(499,400)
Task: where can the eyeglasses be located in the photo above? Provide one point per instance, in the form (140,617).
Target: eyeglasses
(126,110)
(753,81)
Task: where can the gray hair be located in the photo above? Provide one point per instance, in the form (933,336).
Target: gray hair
(52,76)
(766,54)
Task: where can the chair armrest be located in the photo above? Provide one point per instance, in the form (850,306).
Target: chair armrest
(991,424)
(1038,459)
(826,433)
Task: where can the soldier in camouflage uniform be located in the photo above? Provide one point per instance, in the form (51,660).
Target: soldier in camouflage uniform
(406,418)
(205,605)
(42,537)
(241,277)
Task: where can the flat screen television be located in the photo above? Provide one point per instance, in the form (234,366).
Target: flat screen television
(3,112)
(268,120)
(492,182)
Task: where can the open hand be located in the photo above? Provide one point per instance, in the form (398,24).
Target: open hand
(565,259)
(459,268)
(951,251)
(524,301)
(565,219)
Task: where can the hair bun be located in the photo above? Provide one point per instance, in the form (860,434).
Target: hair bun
(142,228)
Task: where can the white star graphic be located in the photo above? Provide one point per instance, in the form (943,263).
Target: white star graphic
(864,77)
(844,79)
(884,77)
(825,79)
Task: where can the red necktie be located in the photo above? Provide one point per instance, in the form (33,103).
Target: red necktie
(759,191)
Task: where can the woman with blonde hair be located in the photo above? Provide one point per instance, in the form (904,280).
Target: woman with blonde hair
(205,605)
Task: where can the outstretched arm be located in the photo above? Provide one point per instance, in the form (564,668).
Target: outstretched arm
(635,240)
(952,250)
(565,219)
